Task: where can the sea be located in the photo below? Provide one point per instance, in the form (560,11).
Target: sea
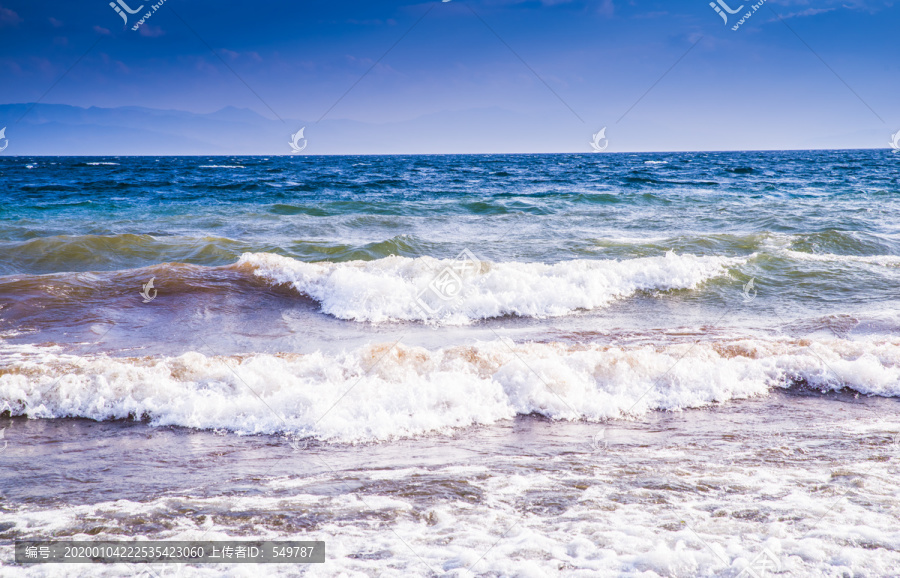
(647,365)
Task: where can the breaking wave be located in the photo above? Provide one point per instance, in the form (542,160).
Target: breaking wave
(462,291)
(385,391)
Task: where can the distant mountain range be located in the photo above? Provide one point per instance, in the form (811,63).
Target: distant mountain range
(56,129)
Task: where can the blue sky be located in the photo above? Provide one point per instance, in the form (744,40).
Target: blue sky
(835,78)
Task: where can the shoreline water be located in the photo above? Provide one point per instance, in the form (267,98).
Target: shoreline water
(806,475)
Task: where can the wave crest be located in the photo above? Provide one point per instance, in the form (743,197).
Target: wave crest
(384,391)
(406,289)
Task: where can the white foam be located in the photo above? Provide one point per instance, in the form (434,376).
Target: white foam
(781,243)
(687,508)
(393,288)
(882,260)
(103,164)
(378,392)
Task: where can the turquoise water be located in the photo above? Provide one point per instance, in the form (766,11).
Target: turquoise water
(145,211)
(815,231)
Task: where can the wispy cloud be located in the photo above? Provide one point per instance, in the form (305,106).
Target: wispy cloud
(803,13)
(151,31)
(607,8)
(8,17)
(830,6)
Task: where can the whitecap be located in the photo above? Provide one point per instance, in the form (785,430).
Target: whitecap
(882,260)
(386,390)
(433,290)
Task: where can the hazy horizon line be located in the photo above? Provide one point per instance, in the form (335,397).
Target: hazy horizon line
(586,153)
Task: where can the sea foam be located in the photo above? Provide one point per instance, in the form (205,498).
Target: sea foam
(385,391)
(394,288)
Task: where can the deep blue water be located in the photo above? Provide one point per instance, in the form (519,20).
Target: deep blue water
(592,359)
(818,228)
(138,211)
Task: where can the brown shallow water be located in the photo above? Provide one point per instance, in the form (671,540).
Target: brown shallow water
(811,478)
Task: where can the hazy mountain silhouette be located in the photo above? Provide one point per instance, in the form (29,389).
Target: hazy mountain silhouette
(56,129)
